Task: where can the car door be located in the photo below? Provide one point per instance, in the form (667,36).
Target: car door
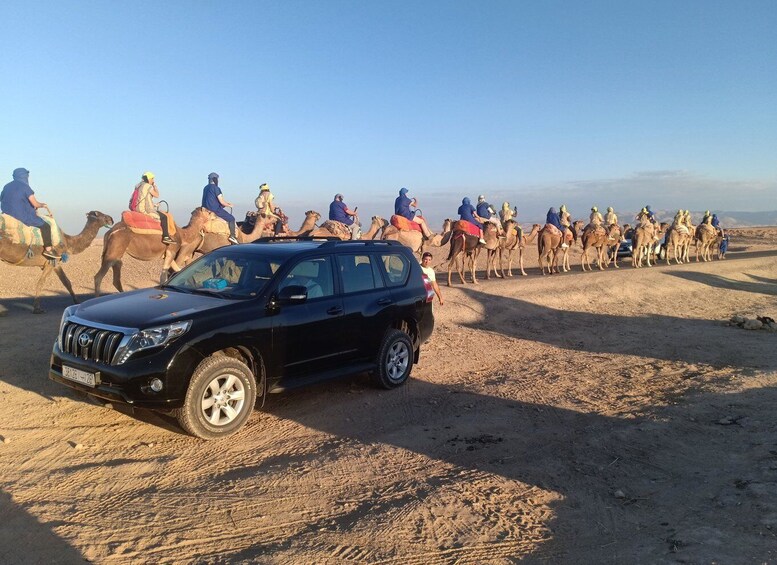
(307,337)
(367,304)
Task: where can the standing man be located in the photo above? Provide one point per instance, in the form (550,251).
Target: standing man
(426,268)
(18,201)
(213,200)
(339,212)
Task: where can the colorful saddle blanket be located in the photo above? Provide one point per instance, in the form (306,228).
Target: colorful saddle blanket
(402,223)
(338,229)
(143,224)
(23,234)
(468,227)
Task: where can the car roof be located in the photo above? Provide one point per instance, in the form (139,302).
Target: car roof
(285,246)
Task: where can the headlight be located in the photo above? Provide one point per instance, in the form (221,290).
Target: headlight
(66,315)
(152,337)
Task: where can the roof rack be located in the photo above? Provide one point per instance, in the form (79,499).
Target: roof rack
(330,242)
(277,238)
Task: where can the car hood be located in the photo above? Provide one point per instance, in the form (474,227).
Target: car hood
(147,308)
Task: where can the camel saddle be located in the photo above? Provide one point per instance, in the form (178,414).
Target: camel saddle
(338,229)
(552,230)
(217,226)
(402,223)
(680,228)
(146,225)
(467,227)
(23,234)
(596,229)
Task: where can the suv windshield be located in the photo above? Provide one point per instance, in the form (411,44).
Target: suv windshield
(227,274)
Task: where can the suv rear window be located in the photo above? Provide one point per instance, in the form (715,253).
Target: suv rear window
(359,273)
(396,267)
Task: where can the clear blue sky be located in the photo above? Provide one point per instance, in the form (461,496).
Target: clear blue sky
(625,103)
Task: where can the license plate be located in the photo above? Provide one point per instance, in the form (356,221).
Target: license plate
(88,379)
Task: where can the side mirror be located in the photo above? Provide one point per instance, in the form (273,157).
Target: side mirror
(292,294)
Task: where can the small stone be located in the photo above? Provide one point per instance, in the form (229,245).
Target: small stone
(727,421)
(5,439)
(149,444)
(738,320)
(619,494)
(752,325)
(78,446)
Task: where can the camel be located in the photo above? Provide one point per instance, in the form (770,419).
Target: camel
(375,226)
(612,245)
(467,246)
(575,228)
(676,241)
(26,256)
(549,247)
(409,238)
(512,243)
(597,239)
(120,239)
(706,237)
(643,242)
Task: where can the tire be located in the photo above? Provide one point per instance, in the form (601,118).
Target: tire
(217,381)
(395,359)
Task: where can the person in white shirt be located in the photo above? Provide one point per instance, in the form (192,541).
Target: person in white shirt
(426,267)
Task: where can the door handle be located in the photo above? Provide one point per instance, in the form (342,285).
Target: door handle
(384,301)
(334,311)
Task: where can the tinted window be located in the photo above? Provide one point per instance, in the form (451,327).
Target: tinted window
(359,273)
(314,274)
(396,267)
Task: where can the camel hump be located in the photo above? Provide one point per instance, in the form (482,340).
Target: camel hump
(467,227)
(23,234)
(339,229)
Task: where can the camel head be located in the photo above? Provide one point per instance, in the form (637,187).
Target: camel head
(201,215)
(446,225)
(380,221)
(98,217)
(313,213)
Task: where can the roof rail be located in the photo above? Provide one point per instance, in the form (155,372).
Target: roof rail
(277,238)
(330,242)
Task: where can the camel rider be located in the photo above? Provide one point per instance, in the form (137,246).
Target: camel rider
(651,215)
(643,216)
(486,212)
(339,212)
(402,206)
(687,220)
(565,218)
(506,214)
(595,218)
(266,208)
(143,201)
(468,213)
(715,223)
(611,218)
(18,201)
(706,218)
(213,200)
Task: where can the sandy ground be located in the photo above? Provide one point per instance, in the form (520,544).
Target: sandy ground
(587,418)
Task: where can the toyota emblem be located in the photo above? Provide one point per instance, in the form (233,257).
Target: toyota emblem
(84,340)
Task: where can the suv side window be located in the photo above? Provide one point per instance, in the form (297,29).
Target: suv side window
(396,268)
(359,272)
(314,274)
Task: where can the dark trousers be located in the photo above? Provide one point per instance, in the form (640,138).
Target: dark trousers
(163,219)
(224,215)
(45,232)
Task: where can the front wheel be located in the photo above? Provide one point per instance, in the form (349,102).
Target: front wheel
(395,359)
(219,400)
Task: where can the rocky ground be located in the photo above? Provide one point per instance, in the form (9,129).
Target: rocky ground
(610,417)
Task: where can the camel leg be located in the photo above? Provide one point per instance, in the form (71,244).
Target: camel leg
(117,276)
(520,262)
(472,269)
(66,282)
(47,269)
(98,277)
(601,258)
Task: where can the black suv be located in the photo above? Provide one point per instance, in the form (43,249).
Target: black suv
(245,320)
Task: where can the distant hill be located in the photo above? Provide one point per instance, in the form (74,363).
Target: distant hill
(727,218)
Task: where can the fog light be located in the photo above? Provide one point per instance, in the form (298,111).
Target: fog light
(156,385)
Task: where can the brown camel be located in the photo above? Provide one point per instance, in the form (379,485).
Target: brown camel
(375,226)
(146,247)
(706,238)
(575,228)
(210,241)
(308,224)
(512,243)
(598,239)
(612,245)
(26,256)
(548,247)
(676,241)
(642,243)
(467,246)
(410,238)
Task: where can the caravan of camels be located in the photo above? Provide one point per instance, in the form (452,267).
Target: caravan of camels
(147,233)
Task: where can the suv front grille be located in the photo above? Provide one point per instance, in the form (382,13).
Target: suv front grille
(100,345)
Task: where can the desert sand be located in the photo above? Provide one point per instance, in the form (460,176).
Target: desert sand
(606,417)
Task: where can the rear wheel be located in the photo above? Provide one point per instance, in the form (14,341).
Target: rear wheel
(219,400)
(395,359)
